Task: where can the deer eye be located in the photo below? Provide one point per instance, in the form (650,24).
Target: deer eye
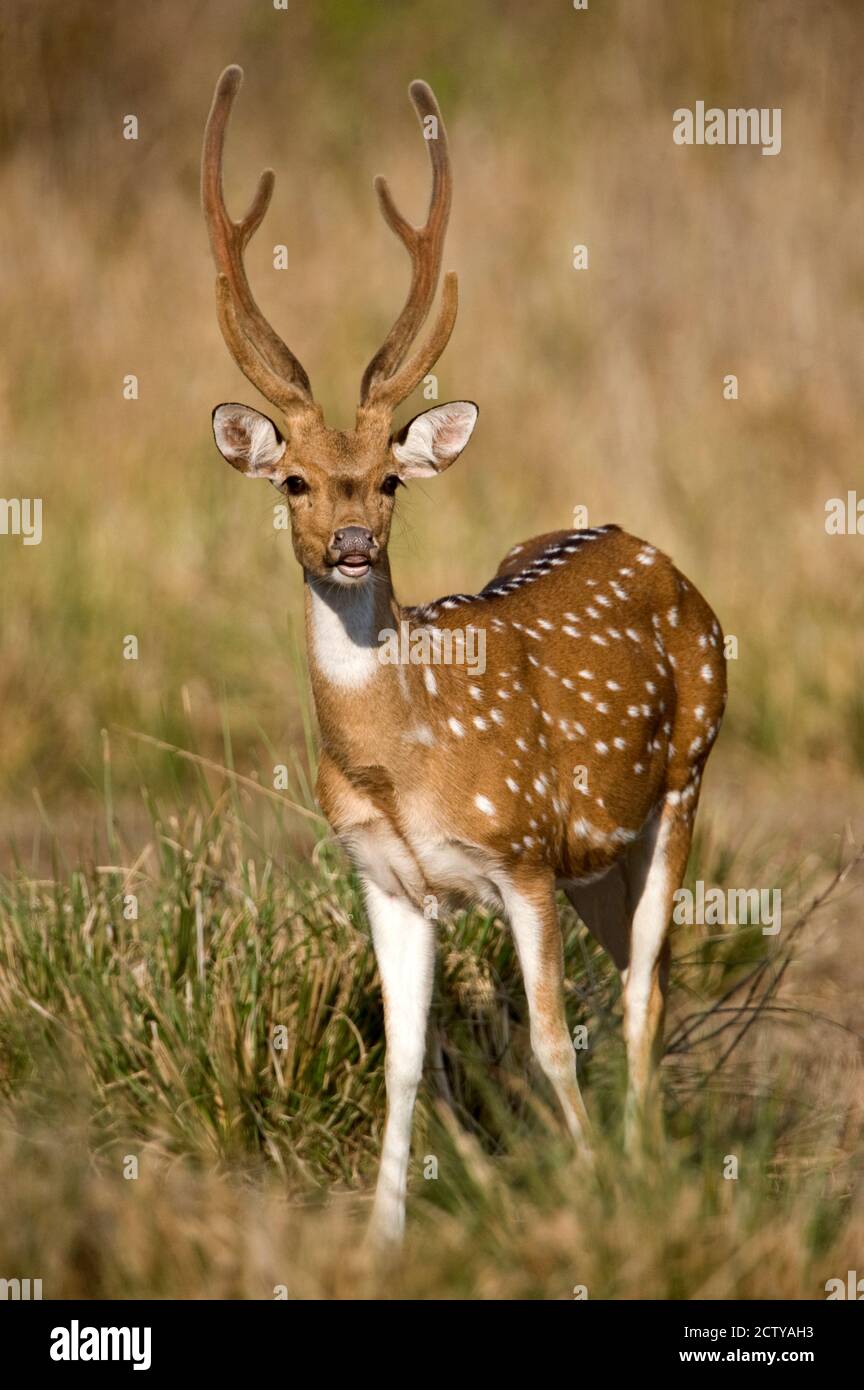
(296,485)
(390,484)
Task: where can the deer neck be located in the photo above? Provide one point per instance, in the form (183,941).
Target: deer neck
(361,702)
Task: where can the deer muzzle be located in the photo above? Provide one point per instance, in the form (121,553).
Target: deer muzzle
(353,551)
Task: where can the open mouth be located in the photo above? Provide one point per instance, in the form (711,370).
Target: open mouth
(354,566)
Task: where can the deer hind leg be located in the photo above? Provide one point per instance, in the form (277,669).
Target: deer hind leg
(404,943)
(628,912)
(533,916)
(647,976)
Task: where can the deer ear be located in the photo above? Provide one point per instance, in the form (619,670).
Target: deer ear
(435,439)
(248,440)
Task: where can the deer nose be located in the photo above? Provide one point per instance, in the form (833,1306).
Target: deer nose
(353,540)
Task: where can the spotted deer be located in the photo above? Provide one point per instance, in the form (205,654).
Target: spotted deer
(573,760)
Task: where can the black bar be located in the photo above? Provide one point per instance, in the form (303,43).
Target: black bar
(252,1337)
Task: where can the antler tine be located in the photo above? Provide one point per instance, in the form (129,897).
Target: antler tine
(382,380)
(258,350)
(397,387)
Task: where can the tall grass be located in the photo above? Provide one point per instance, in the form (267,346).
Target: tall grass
(225,1032)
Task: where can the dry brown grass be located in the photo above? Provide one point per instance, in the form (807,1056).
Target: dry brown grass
(155,1040)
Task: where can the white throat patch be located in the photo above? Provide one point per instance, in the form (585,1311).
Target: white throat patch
(344,632)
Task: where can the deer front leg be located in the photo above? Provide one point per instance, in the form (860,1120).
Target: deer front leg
(405,950)
(533,917)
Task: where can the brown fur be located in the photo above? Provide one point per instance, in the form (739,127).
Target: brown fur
(457,768)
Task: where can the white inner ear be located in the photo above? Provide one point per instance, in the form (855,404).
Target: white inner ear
(435,439)
(248,440)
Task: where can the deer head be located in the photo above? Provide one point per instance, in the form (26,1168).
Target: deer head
(340,485)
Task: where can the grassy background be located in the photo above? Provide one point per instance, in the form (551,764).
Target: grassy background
(601,388)
(158,1040)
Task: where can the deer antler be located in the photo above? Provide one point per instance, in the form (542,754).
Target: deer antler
(383,381)
(258,351)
